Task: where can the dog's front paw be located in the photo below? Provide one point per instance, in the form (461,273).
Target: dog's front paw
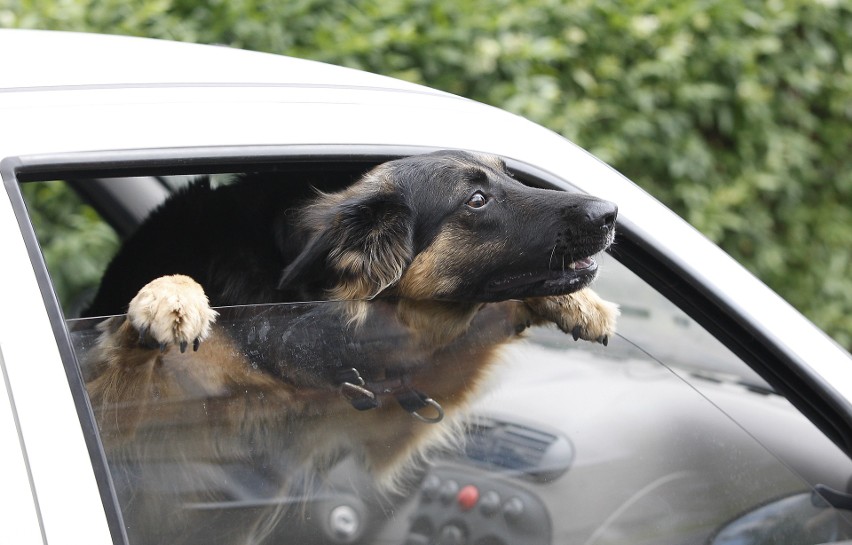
(582,314)
(172,310)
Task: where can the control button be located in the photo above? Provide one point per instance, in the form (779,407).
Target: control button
(344,522)
(467,497)
(451,535)
(449,490)
(513,509)
(490,503)
(431,487)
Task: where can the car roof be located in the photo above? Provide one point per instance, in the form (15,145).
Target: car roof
(68,59)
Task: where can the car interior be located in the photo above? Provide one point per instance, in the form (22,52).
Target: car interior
(665,436)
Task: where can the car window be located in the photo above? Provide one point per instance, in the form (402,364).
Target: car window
(662,436)
(76,242)
(80,225)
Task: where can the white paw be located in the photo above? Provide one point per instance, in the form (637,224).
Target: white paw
(172,310)
(583,314)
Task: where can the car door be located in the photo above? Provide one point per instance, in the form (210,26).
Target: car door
(688,428)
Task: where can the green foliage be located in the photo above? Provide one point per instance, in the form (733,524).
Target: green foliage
(736,114)
(71,233)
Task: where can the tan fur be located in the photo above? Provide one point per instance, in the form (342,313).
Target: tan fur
(375,263)
(160,402)
(436,271)
(137,386)
(595,317)
(370,270)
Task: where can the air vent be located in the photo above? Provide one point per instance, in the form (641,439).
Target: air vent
(517,448)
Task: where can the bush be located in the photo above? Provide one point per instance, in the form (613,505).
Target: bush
(736,114)
(73,234)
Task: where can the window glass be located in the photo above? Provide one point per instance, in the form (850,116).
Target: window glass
(663,436)
(76,243)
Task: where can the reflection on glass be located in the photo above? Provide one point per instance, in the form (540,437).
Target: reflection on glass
(249,424)
(568,442)
(798,520)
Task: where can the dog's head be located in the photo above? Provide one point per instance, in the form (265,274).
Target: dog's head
(453,226)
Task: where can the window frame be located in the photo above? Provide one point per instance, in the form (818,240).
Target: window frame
(663,271)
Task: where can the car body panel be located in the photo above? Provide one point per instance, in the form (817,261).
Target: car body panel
(60,468)
(24,525)
(67,59)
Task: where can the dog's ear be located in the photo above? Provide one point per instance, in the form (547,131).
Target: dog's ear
(364,241)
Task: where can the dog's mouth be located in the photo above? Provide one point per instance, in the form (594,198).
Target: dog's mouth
(555,281)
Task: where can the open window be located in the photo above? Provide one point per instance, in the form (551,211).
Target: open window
(663,436)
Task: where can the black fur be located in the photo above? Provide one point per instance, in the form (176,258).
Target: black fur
(234,239)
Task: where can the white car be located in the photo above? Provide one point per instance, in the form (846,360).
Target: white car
(718,415)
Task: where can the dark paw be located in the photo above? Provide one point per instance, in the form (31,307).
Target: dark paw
(577,333)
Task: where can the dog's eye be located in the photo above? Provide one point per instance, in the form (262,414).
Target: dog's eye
(477,200)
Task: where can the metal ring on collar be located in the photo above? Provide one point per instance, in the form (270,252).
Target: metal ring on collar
(435,405)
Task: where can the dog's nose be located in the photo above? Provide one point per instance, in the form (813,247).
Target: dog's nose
(602,214)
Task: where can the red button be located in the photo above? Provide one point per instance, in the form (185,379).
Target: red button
(467,497)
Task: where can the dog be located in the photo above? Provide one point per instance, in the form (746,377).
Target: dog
(422,270)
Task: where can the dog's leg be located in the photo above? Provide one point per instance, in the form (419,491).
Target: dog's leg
(583,314)
(125,365)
